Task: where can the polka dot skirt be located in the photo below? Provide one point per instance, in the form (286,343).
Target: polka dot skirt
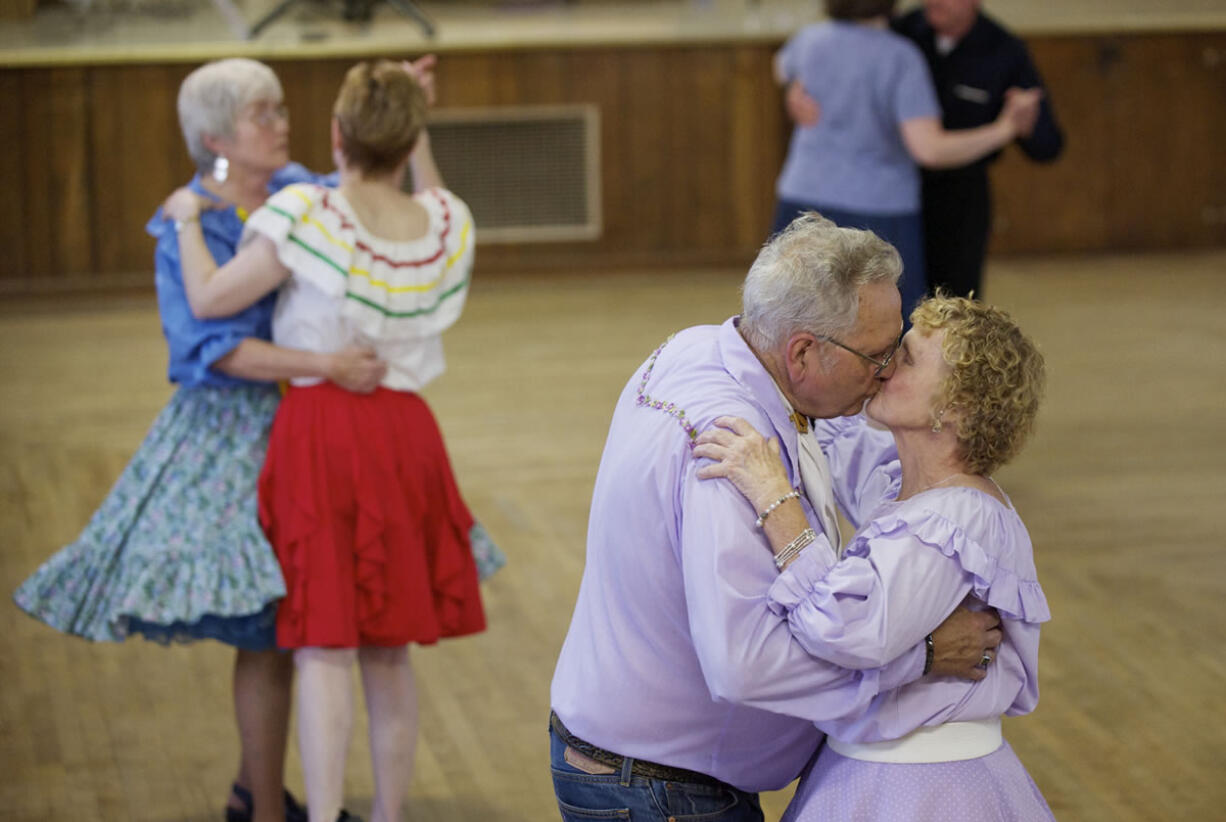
(993,788)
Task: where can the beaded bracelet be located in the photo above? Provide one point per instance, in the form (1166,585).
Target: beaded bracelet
(793,494)
(794,547)
(930,651)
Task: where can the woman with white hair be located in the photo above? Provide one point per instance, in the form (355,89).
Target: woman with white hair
(175,552)
(935,532)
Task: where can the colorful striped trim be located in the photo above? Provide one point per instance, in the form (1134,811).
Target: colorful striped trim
(296,190)
(451,260)
(309,220)
(402,289)
(417,312)
(361,246)
(345,225)
(459,252)
(331,263)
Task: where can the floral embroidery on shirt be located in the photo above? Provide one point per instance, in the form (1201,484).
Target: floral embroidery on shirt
(669,408)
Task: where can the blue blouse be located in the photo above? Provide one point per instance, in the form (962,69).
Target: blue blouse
(195,344)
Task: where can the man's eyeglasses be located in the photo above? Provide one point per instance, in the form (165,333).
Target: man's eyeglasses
(882,364)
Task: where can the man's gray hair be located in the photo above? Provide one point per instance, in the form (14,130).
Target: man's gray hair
(808,278)
(212,96)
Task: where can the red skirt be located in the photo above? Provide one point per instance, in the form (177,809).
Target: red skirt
(358,500)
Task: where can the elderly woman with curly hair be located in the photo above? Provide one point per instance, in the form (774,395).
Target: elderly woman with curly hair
(935,531)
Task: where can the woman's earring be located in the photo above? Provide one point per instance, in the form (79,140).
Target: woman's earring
(221,168)
(936,425)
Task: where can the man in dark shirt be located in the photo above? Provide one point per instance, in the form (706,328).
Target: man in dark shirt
(974,62)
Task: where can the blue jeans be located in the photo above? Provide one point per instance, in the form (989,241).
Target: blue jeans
(583,796)
(903,231)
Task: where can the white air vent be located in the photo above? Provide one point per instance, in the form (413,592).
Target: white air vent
(529,173)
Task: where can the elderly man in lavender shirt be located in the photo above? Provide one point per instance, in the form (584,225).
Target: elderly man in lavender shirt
(679,693)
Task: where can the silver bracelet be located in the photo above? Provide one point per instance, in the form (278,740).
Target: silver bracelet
(793,548)
(793,494)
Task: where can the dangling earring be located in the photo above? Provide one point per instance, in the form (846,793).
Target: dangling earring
(221,169)
(936,425)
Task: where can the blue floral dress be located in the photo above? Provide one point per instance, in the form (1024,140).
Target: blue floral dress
(175,552)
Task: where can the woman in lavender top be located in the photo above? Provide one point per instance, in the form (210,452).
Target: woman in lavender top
(934,532)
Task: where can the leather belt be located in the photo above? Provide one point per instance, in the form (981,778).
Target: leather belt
(638,767)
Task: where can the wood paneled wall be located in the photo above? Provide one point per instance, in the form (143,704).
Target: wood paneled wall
(1143,167)
(693,138)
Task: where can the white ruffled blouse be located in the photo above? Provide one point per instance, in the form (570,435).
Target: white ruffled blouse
(349,286)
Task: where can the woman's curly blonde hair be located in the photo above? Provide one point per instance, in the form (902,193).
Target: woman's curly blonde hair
(996,382)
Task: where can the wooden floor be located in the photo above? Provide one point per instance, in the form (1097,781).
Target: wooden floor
(1118,488)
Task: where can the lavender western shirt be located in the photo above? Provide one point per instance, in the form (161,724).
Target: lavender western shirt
(674,654)
(908,566)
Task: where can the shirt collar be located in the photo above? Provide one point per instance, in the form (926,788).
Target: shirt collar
(743,365)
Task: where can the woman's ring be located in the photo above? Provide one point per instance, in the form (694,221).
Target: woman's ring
(985,660)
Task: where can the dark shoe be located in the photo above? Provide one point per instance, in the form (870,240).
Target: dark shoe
(242,814)
(346,816)
(295,811)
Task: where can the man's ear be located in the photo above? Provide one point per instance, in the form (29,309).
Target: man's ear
(801,348)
